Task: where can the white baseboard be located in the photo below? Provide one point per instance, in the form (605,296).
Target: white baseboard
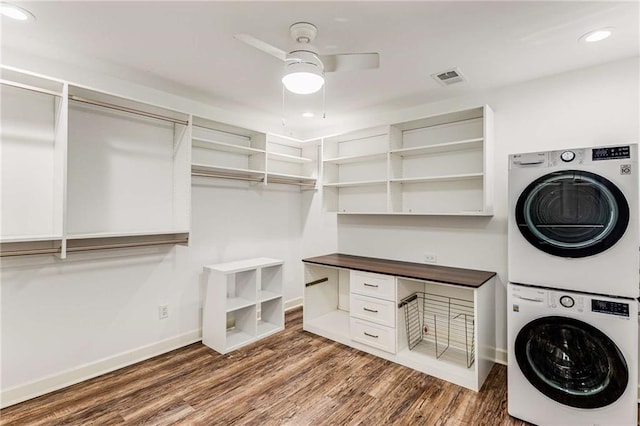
(293,303)
(501,356)
(93,369)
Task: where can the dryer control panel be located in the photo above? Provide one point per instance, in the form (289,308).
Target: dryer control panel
(609,307)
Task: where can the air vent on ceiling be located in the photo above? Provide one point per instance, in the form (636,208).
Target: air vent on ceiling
(449,77)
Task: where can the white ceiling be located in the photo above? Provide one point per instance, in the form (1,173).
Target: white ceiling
(188,47)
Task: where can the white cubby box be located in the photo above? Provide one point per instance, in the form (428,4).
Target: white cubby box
(243,303)
(432,166)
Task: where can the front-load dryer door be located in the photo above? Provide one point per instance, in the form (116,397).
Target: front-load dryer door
(571,362)
(572,213)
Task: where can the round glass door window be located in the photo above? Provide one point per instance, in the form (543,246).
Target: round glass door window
(572,213)
(571,362)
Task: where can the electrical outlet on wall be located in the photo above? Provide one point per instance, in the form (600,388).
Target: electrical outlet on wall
(163,311)
(430,258)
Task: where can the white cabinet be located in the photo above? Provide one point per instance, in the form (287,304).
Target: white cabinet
(434,319)
(243,303)
(438,165)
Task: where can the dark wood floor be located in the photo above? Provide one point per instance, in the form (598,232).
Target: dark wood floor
(291,378)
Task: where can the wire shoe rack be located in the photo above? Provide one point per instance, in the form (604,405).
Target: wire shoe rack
(442,322)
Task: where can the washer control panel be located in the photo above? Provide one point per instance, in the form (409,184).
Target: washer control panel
(608,307)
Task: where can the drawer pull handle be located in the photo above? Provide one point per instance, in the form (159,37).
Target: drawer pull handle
(370,335)
(370,310)
(371,285)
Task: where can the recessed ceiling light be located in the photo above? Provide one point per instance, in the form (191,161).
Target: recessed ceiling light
(15,12)
(597,35)
(308,114)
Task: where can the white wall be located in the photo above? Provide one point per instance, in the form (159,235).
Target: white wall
(595,106)
(65,319)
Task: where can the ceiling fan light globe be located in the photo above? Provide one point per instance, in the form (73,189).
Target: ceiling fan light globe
(302,78)
(303,83)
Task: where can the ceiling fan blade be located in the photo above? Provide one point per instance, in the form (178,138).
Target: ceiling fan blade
(261,45)
(350,61)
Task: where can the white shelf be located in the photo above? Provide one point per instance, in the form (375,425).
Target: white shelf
(265,295)
(225,147)
(288,158)
(235,303)
(244,265)
(475,143)
(238,338)
(30,238)
(356,158)
(446,178)
(266,328)
(361,183)
(336,322)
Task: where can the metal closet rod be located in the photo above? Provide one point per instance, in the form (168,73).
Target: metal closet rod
(127,109)
(26,252)
(28,87)
(222,176)
(252,179)
(127,245)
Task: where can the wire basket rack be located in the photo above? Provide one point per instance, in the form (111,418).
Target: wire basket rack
(443,322)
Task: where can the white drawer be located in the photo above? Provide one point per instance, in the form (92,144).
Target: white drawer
(372,309)
(375,285)
(375,335)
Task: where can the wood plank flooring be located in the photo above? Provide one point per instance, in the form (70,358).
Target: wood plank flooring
(291,378)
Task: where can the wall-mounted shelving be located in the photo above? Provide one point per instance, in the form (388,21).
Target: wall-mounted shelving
(95,169)
(227,152)
(34,144)
(437,165)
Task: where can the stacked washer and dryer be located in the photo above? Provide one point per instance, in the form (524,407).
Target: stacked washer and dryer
(574,283)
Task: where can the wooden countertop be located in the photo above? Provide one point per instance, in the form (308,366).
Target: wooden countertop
(420,271)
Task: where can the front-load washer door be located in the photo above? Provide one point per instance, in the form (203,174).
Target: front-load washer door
(572,213)
(571,362)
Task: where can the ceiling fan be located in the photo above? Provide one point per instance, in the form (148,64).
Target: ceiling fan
(304,67)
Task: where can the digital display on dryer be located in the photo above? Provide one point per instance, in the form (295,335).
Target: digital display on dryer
(611,308)
(611,153)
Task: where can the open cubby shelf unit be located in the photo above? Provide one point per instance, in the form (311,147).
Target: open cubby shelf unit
(243,303)
(96,170)
(438,165)
(228,152)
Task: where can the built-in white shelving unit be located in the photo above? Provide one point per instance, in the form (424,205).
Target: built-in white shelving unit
(227,152)
(243,303)
(438,165)
(87,170)
(33,144)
